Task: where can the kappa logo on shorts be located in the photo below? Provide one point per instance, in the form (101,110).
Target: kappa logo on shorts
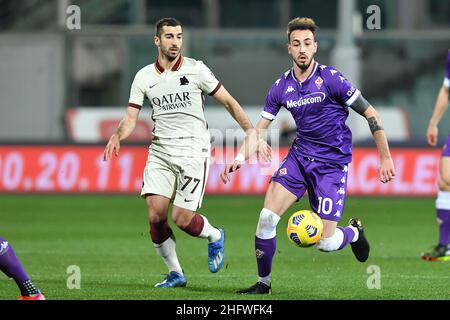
(282,172)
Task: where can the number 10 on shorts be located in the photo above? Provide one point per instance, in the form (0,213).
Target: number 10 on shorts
(325,205)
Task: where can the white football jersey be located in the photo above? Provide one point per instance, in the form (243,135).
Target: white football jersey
(176,97)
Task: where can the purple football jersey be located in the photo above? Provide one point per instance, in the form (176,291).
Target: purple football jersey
(446,149)
(319,106)
(447,74)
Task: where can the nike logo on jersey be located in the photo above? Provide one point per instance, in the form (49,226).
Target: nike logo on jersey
(151,86)
(186,200)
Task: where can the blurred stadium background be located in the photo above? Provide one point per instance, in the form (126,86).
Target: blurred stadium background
(63,92)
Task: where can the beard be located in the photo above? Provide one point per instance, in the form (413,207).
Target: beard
(303,65)
(168,55)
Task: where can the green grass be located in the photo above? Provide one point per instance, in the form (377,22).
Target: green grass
(107,237)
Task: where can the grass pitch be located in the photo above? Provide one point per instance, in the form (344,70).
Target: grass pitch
(106,236)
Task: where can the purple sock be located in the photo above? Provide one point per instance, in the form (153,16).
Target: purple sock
(444,226)
(11,266)
(265,250)
(349,234)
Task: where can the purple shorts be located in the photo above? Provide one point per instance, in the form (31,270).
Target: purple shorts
(446,149)
(325,182)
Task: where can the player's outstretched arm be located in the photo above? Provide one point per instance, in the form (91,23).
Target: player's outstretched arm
(386,171)
(255,143)
(125,128)
(440,107)
(234,108)
(252,142)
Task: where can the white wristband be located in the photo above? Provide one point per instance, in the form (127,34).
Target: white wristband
(240,157)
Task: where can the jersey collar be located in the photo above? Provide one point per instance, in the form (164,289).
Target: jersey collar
(177,65)
(309,77)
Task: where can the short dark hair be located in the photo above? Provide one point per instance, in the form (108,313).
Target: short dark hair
(301,24)
(165,22)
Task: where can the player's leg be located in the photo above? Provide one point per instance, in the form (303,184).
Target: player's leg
(192,177)
(278,199)
(11,266)
(441,252)
(286,187)
(164,240)
(327,184)
(159,183)
(197,225)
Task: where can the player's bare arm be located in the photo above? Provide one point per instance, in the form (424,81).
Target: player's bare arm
(440,107)
(386,171)
(234,108)
(247,147)
(255,143)
(125,128)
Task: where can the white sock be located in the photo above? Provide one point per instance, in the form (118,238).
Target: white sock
(167,252)
(356,233)
(265,280)
(443,200)
(209,232)
(267,224)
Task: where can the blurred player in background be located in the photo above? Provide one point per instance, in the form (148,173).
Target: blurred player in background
(318,98)
(178,160)
(441,252)
(11,266)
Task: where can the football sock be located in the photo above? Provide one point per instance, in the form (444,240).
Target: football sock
(265,280)
(267,224)
(160,231)
(166,250)
(211,233)
(200,227)
(11,266)
(341,238)
(350,235)
(266,243)
(443,217)
(265,250)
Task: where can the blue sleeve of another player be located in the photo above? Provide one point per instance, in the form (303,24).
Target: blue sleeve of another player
(341,90)
(447,74)
(272,103)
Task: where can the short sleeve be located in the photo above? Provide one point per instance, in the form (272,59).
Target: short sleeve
(208,82)
(447,74)
(272,103)
(137,93)
(341,90)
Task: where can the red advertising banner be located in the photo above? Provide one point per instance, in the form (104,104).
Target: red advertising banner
(82,169)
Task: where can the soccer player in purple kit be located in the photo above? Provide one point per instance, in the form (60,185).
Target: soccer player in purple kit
(318,98)
(441,252)
(11,266)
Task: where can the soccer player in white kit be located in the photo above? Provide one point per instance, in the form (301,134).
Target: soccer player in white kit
(178,160)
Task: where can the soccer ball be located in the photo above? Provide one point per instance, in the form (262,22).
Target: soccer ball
(304,228)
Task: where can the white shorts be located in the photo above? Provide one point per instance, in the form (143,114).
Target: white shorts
(181,179)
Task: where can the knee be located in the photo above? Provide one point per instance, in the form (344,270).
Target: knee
(156,214)
(444,181)
(267,224)
(331,243)
(181,217)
